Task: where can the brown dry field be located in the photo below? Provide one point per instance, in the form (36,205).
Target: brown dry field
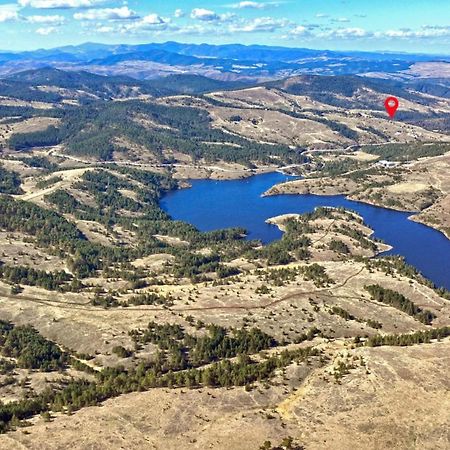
(263,119)
(386,401)
(421,182)
(25,126)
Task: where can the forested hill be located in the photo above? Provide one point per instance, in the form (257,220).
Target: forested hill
(105,87)
(103,117)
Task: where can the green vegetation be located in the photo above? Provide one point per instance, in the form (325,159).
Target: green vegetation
(407,152)
(279,277)
(9,182)
(342,312)
(52,281)
(40,162)
(339,247)
(176,365)
(359,237)
(193,351)
(30,349)
(419,337)
(186,130)
(392,265)
(337,167)
(43,184)
(400,302)
(121,352)
(317,273)
(150,299)
(44,138)
(347,316)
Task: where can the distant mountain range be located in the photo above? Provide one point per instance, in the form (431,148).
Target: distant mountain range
(222,62)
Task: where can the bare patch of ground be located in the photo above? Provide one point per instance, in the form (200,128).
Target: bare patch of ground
(18,250)
(381,403)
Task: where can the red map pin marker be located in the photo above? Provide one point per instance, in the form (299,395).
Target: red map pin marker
(391,105)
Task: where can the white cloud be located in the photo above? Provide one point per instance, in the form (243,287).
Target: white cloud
(57,20)
(59,4)
(205,15)
(424,32)
(346,33)
(153,19)
(8,12)
(299,30)
(260,24)
(250,5)
(45,31)
(122,13)
(151,22)
(179,13)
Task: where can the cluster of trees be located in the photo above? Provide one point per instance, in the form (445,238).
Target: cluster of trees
(391,265)
(31,350)
(104,187)
(53,281)
(45,183)
(358,236)
(165,370)
(26,91)
(150,298)
(339,167)
(195,266)
(48,227)
(24,112)
(51,230)
(43,138)
(419,337)
(105,301)
(342,313)
(347,316)
(112,382)
(400,302)
(9,182)
(54,232)
(188,351)
(338,246)
(316,273)
(121,351)
(40,162)
(279,277)
(408,152)
(293,245)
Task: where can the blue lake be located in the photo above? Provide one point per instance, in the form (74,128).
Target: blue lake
(211,205)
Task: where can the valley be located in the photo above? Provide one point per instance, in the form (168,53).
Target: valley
(135,297)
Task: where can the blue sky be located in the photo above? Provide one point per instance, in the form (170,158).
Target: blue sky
(393,25)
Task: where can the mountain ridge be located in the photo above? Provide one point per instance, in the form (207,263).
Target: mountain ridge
(257,62)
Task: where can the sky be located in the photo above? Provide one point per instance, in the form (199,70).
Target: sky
(421,26)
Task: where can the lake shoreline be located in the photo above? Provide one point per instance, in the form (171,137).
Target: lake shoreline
(211,205)
(414,213)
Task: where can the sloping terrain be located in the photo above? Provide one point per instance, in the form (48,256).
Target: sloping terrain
(126,324)
(386,401)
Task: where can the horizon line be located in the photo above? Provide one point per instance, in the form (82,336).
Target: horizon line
(224,45)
